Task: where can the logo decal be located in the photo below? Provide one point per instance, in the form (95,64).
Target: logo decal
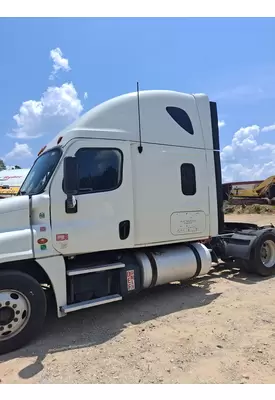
(42,215)
(6,178)
(42,229)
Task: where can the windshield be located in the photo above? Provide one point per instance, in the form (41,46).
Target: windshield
(41,172)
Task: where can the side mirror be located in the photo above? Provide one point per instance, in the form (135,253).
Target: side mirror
(71,183)
(70,176)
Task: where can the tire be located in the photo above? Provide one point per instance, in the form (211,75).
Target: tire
(245,266)
(263,255)
(23,308)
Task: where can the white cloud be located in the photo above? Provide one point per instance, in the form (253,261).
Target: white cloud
(20,151)
(57,107)
(85,96)
(246,158)
(221,124)
(268,128)
(59,62)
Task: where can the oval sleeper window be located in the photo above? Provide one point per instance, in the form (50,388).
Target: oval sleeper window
(181,118)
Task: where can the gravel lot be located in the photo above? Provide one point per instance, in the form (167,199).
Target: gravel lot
(218,329)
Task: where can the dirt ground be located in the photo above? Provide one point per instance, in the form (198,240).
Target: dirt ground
(218,329)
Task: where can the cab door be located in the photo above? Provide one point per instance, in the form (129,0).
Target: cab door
(103,218)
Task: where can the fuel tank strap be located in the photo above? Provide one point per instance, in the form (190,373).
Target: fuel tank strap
(154,268)
(198,259)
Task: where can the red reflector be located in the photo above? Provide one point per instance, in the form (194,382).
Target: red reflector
(42,241)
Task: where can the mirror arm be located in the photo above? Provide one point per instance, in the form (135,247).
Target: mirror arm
(70,176)
(71,204)
(71,201)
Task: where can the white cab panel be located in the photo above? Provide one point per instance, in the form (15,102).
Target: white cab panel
(116,119)
(95,225)
(160,206)
(41,226)
(55,268)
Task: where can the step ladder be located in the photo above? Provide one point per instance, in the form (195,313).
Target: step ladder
(95,268)
(95,302)
(90,303)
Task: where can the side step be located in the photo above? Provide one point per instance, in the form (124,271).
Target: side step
(96,268)
(90,303)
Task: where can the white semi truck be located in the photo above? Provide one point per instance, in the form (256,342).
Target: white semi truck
(127,198)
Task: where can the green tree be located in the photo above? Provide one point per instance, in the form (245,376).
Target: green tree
(2,165)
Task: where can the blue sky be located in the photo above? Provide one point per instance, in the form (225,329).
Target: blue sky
(232,60)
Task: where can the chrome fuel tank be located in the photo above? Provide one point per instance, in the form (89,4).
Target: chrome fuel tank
(173,263)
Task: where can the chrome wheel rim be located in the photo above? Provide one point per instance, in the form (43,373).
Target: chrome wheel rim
(15,310)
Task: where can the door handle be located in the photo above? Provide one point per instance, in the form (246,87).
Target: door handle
(124,229)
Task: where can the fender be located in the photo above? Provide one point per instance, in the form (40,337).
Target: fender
(241,244)
(55,268)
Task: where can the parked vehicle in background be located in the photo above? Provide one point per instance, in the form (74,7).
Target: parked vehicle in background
(11,180)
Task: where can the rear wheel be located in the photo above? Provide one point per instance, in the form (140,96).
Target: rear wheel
(22,309)
(263,255)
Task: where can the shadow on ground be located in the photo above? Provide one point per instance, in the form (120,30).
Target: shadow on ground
(232,273)
(95,326)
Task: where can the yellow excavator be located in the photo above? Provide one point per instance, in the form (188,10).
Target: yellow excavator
(265,189)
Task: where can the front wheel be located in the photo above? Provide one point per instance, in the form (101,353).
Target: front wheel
(23,309)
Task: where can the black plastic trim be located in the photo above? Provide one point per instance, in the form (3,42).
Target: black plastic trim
(217,162)
(70,210)
(124,229)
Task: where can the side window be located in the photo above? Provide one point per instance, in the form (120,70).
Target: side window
(181,118)
(100,170)
(188,179)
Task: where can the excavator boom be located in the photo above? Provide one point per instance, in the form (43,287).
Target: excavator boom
(264,189)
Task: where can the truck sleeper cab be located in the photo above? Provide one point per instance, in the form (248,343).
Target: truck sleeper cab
(108,210)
